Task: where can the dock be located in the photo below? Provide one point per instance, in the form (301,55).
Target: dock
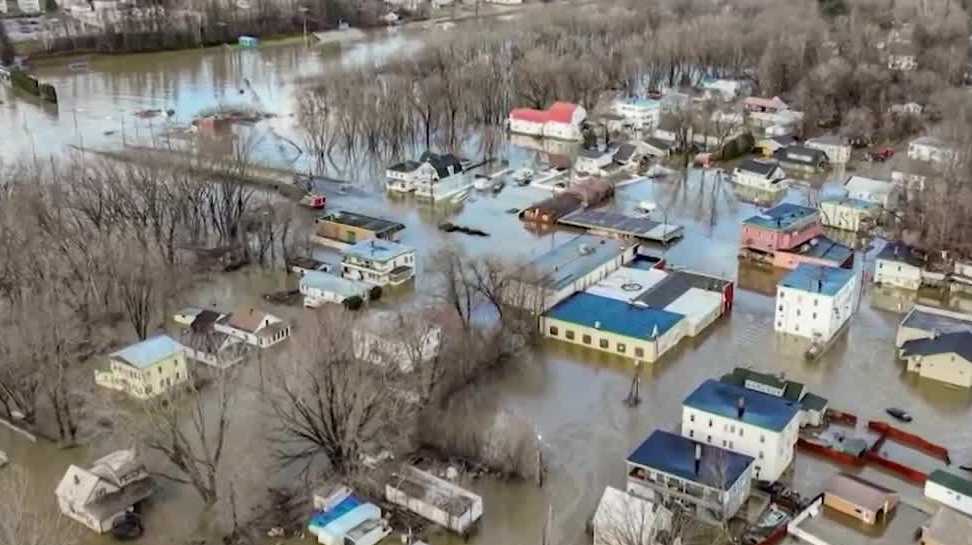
(617,224)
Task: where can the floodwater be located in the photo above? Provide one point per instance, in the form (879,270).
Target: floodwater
(573,396)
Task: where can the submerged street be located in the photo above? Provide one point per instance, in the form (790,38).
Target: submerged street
(572,396)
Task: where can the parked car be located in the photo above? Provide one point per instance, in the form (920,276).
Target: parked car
(881,155)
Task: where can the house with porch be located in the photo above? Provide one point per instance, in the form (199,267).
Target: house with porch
(379,262)
(711,482)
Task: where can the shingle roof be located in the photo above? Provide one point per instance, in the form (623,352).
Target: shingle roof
(817,279)
(247,319)
(762,410)
(675,455)
(763,168)
(813,402)
(782,217)
(614,316)
(148,352)
(959,343)
(405,166)
(445,164)
(900,252)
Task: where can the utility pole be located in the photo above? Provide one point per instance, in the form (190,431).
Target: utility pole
(539,461)
(634,393)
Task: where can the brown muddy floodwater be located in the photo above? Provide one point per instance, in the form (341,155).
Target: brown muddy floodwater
(573,396)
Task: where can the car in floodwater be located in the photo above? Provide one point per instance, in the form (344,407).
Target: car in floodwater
(900,414)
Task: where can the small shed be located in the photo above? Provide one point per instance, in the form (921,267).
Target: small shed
(868,502)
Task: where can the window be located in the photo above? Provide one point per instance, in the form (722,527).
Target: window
(691,434)
(569,334)
(708,439)
(554,331)
(621,348)
(605,344)
(814,315)
(639,352)
(760,455)
(781,308)
(731,445)
(762,438)
(798,312)
(815,301)
(691,418)
(740,431)
(710,422)
(586,339)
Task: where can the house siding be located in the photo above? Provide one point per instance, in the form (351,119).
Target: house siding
(949,368)
(147,383)
(897,274)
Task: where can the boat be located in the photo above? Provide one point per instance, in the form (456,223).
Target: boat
(498,186)
(482,183)
(647,206)
(315,201)
(522,176)
(899,414)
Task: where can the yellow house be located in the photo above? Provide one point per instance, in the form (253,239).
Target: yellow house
(946,357)
(146,369)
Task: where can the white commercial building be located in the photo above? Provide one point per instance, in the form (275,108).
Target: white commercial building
(379,262)
(762,175)
(815,301)
(758,425)
(638,113)
(561,120)
(950,490)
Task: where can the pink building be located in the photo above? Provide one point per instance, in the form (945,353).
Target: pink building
(783,227)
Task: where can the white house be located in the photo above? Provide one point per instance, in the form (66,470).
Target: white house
(815,301)
(836,147)
(379,262)
(561,120)
(666,464)
(849,214)
(726,89)
(899,265)
(950,489)
(624,518)
(102,494)
(883,193)
(254,327)
(593,162)
(319,288)
(931,150)
(434,176)
(387,338)
(945,357)
(639,113)
(741,420)
(762,175)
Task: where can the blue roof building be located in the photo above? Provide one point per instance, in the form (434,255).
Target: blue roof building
(744,421)
(743,405)
(615,316)
(783,217)
(147,353)
(817,279)
(670,466)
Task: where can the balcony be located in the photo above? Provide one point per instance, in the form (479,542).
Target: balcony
(400,274)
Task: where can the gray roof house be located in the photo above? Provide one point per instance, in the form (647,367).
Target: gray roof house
(98,496)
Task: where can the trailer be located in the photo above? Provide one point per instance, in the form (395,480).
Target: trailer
(435,499)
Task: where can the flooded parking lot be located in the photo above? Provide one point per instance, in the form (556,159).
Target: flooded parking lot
(572,395)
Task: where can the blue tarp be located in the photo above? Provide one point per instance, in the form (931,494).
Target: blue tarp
(320,519)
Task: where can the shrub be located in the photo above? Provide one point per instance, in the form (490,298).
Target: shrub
(353,303)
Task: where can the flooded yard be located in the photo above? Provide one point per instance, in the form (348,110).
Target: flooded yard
(574,396)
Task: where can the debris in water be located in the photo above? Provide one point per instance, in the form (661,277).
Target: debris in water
(449,227)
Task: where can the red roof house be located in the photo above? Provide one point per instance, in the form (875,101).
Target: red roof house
(560,120)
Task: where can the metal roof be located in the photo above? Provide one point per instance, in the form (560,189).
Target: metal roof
(783,217)
(673,454)
(817,279)
(824,248)
(952,482)
(377,250)
(147,353)
(858,491)
(361,221)
(761,410)
(899,252)
(333,283)
(575,259)
(940,320)
(613,316)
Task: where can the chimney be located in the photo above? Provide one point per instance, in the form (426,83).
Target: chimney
(740,407)
(698,458)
